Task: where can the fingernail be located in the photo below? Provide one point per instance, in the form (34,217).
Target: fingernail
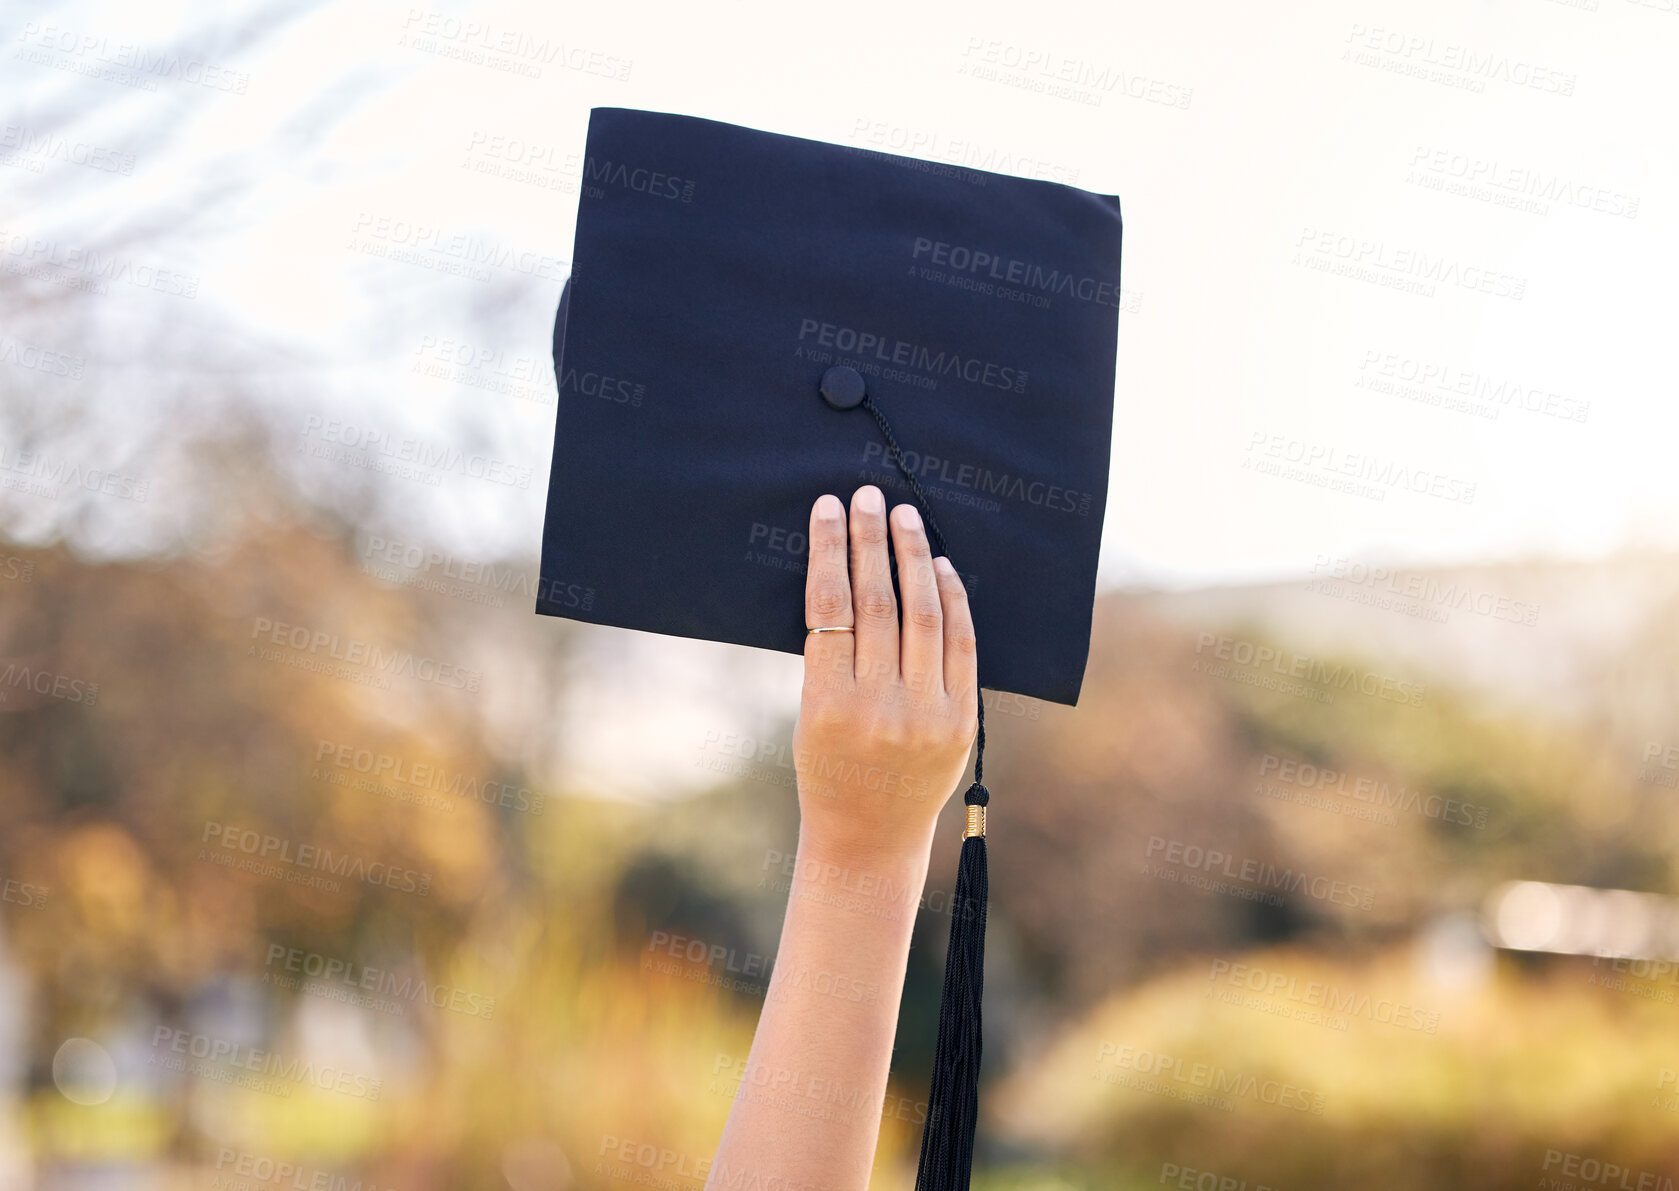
(828,508)
(941,564)
(908,516)
(870,500)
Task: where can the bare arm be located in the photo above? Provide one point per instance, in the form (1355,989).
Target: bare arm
(885,724)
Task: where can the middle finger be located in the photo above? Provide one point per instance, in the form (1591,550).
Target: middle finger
(872,600)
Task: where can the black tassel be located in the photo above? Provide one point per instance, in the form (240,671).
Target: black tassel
(947,1142)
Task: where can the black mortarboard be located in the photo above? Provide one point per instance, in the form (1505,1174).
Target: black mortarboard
(736,295)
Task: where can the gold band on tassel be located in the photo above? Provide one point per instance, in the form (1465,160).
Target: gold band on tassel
(976,823)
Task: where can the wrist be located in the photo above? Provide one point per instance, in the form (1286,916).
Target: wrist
(867,848)
(883,880)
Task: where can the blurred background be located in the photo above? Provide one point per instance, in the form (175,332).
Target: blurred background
(325,863)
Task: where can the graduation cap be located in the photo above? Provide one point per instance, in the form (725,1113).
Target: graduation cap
(754,320)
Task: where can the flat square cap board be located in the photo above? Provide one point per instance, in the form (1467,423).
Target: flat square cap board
(719,272)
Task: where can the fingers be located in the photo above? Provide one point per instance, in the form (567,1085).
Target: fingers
(921,649)
(961,670)
(828,592)
(872,600)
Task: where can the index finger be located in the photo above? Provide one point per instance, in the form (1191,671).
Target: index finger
(961,663)
(828,591)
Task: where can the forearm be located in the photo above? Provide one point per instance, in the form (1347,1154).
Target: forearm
(886,719)
(809,1106)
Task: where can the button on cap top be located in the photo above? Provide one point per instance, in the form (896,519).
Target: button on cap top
(843,387)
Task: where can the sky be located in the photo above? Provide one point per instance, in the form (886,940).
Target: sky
(1432,244)
(1397,279)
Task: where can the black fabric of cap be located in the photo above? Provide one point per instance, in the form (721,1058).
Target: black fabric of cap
(719,272)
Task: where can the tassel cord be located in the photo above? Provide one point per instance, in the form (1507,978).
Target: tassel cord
(933,532)
(947,1141)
